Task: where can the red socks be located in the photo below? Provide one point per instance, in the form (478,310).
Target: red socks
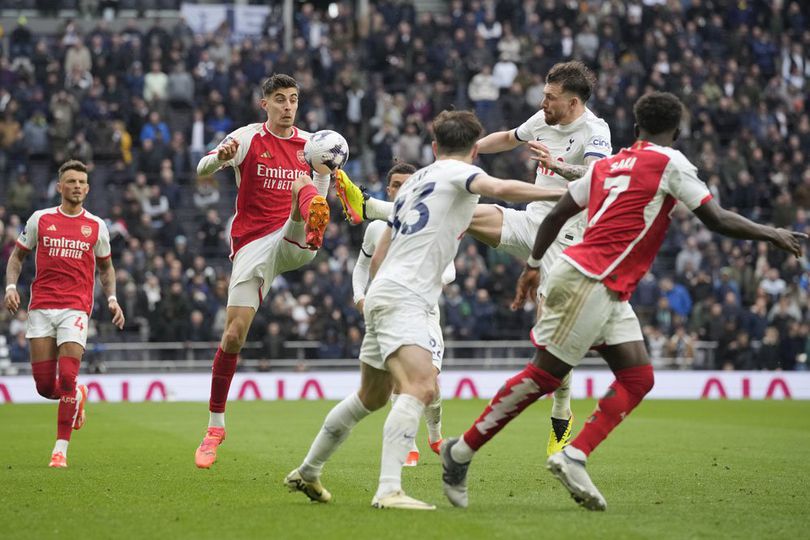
(223,370)
(627,391)
(66,416)
(305,196)
(515,395)
(45,378)
(68,371)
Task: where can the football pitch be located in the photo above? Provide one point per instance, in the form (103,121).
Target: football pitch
(674,469)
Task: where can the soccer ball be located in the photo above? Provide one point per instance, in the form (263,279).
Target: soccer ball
(326,149)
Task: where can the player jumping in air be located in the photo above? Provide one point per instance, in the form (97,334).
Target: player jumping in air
(396,177)
(281,215)
(430,212)
(69,241)
(629,198)
(565,137)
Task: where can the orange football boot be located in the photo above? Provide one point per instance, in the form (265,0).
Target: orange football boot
(317,220)
(206,454)
(435,445)
(58,460)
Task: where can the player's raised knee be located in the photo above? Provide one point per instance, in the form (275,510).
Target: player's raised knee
(234,336)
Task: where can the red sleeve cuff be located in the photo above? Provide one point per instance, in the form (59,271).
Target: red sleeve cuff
(107,256)
(705,199)
(22,247)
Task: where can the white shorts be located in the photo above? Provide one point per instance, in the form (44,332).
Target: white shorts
(581,313)
(258,263)
(392,322)
(519,232)
(66,325)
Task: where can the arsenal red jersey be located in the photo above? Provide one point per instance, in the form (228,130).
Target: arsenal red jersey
(266,166)
(66,251)
(629,198)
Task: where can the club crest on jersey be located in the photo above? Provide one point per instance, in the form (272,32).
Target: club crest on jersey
(570,144)
(301,158)
(86,230)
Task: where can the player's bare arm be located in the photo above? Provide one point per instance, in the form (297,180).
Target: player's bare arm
(530,277)
(569,171)
(500,141)
(512,190)
(106,272)
(380,251)
(13,269)
(728,223)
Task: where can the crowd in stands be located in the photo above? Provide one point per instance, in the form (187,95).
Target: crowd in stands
(144,103)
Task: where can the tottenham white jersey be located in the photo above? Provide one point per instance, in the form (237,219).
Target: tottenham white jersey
(431,212)
(586,136)
(371,239)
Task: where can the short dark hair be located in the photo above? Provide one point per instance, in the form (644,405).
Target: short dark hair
(575,77)
(658,112)
(456,131)
(72,165)
(276,81)
(400,167)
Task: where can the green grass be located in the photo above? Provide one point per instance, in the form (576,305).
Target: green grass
(682,469)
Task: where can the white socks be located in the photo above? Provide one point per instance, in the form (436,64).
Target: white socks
(336,428)
(321,182)
(561,408)
(461,451)
(60,446)
(216,419)
(398,434)
(378,209)
(433,418)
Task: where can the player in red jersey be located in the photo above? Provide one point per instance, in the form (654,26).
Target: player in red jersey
(281,215)
(629,198)
(69,241)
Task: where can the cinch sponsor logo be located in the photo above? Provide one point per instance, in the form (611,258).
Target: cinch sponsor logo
(600,141)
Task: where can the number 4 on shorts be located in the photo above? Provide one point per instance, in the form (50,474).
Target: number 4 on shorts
(79,323)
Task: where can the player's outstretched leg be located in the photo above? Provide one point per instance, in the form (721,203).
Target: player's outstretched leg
(357,205)
(562,419)
(513,397)
(314,210)
(336,428)
(222,374)
(626,392)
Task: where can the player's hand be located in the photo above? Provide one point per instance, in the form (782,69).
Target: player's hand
(12,300)
(228,150)
(527,285)
(789,241)
(541,153)
(360,304)
(117,313)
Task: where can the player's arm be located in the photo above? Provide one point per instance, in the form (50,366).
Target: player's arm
(500,141)
(728,223)
(549,229)
(569,171)
(13,270)
(360,274)
(381,251)
(510,190)
(106,272)
(224,155)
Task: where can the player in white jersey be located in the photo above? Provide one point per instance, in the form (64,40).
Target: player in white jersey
(430,213)
(564,137)
(396,177)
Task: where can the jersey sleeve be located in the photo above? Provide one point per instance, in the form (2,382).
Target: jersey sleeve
(525,131)
(598,143)
(580,189)
(30,234)
(449,274)
(244,135)
(462,181)
(102,248)
(685,185)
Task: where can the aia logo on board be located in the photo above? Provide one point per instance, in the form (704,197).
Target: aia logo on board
(300,155)
(86,230)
